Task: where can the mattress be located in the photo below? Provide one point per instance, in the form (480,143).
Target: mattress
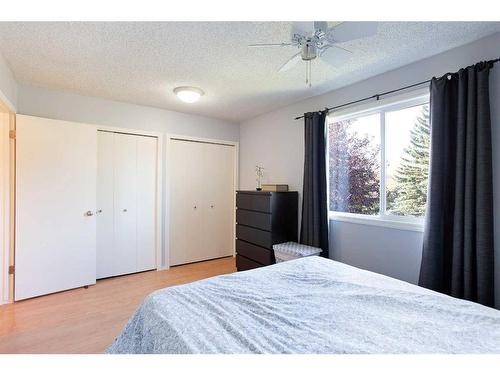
(308,305)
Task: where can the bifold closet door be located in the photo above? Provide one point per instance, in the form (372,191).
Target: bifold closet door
(126,220)
(55,202)
(146,202)
(219,194)
(186,203)
(105,205)
(125,203)
(201,201)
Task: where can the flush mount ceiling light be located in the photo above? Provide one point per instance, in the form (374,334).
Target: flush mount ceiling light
(188,94)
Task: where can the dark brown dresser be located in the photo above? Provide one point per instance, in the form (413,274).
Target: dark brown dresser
(262,220)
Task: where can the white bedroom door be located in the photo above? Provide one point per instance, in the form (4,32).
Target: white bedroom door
(56,165)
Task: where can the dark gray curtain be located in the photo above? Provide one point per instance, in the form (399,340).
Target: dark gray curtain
(457,256)
(314,227)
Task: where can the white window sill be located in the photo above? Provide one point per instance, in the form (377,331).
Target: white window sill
(416,225)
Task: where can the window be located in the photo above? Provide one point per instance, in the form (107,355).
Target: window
(378,162)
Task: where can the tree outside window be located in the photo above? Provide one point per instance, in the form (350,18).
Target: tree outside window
(356,168)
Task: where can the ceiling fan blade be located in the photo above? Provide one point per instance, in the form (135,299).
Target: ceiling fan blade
(351,30)
(305,28)
(335,56)
(290,63)
(270,45)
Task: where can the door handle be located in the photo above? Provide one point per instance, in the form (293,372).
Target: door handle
(89,213)
(124,210)
(211,206)
(98,211)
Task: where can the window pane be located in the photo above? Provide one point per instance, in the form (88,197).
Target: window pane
(407,135)
(354,152)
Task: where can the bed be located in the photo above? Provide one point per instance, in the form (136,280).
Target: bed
(309,305)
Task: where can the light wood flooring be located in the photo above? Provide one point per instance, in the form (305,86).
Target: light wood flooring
(87,320)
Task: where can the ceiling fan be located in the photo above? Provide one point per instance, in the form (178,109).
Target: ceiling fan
(316,40)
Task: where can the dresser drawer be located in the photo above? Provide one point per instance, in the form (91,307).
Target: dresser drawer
(243,264)
(254,252)
(254,202)
(254,219)
(255,236)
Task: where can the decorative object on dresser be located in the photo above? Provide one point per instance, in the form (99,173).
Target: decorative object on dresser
(263,220)
(274,187)
(259,171)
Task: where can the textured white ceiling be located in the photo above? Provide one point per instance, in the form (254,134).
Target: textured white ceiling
(141,62)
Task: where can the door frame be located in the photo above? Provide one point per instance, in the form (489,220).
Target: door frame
(169,138)
(7,188)
(159,182)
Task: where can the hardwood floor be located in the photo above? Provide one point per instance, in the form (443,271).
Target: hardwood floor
(87,320)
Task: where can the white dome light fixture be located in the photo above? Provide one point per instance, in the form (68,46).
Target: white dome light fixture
(188,94)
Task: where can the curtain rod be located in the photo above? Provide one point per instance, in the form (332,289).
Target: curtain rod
(377,96)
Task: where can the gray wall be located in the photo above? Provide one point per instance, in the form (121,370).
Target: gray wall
(393,252)
(42,102)
(275,140)
(60,105)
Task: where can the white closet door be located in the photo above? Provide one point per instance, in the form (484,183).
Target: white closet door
(125,203)
(201,176)
(56,164)
(186,184)
(208,249)
(146,203)
(105,205)
(221,200)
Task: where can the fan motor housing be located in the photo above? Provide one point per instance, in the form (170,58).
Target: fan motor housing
(309,50)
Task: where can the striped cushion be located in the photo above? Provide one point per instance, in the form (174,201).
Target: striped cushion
(297,249)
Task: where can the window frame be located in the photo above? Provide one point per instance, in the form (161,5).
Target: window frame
(398,102)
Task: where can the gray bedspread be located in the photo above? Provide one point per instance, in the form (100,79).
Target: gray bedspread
(310,305)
